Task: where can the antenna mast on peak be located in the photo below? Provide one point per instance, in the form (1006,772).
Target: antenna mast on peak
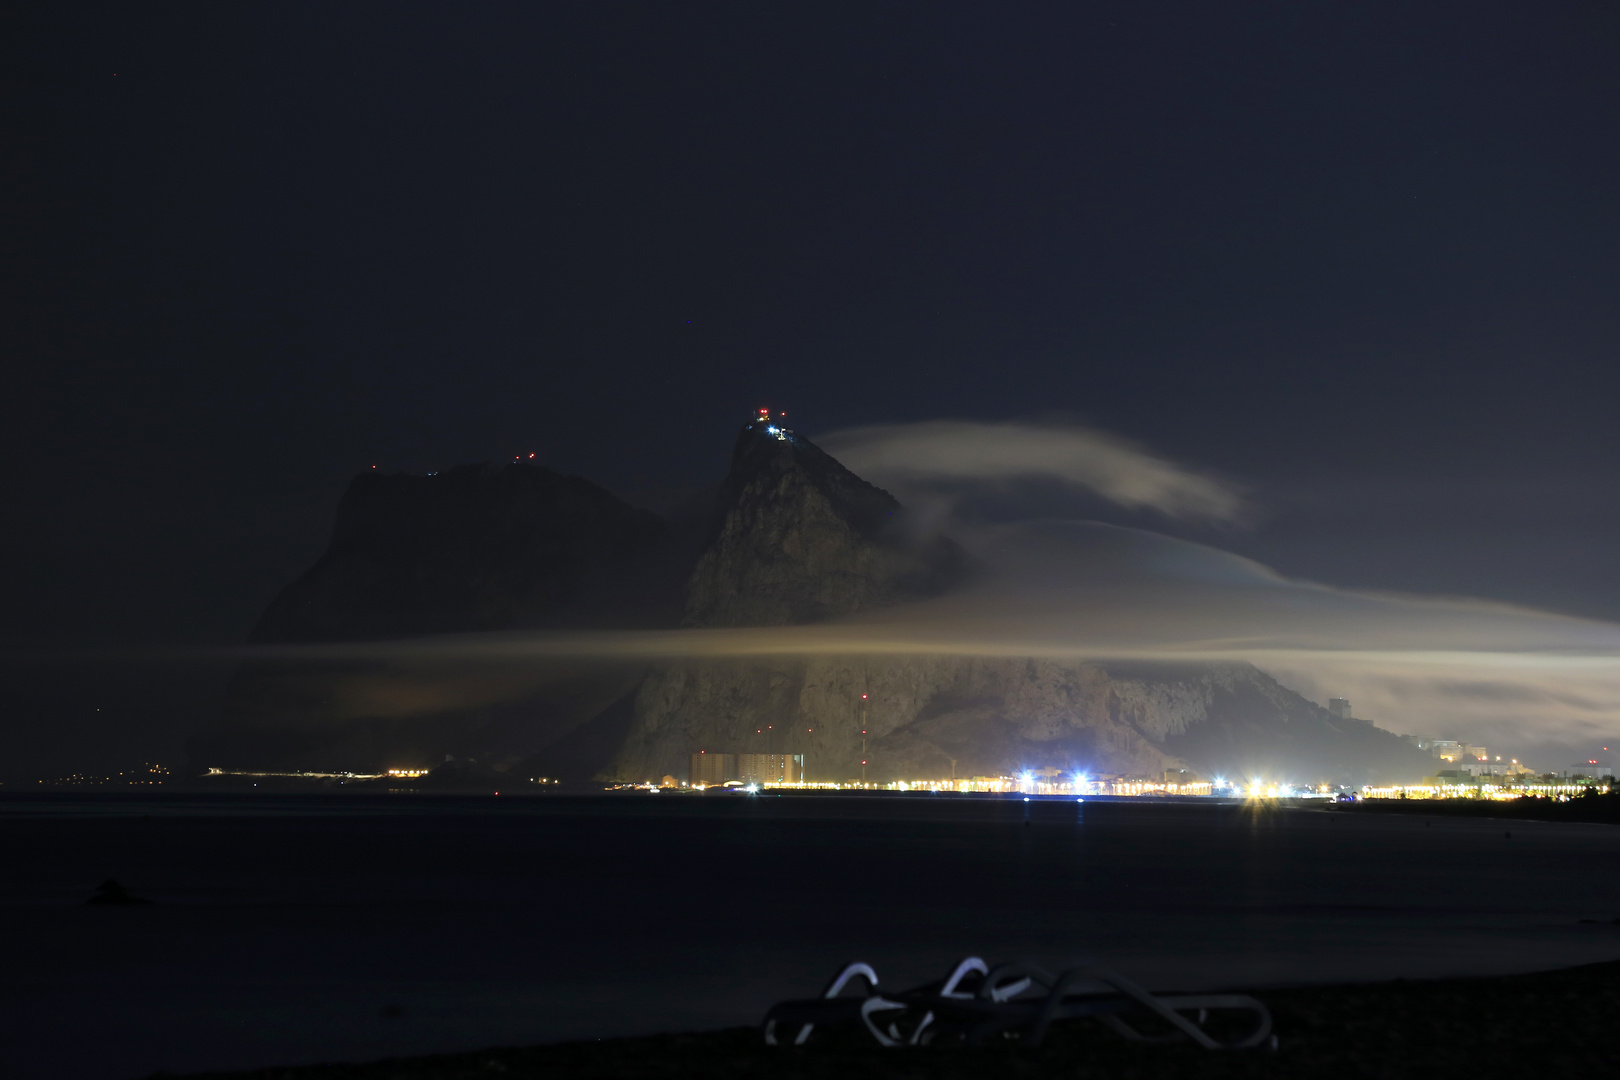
(775,430)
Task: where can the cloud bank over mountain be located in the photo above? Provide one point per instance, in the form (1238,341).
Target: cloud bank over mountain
(1507,676)
(945,457)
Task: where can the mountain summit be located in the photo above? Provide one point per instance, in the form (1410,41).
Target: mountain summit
(798,538)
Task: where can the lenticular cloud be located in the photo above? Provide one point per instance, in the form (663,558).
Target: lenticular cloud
(957,452)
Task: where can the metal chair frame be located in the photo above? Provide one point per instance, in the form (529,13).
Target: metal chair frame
(1011,999)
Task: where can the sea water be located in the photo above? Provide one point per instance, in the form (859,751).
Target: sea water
(295,929)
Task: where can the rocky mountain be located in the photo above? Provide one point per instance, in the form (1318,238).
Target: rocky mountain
(476,548)
(791,543)
(798,538)
(793,538)
(933,717)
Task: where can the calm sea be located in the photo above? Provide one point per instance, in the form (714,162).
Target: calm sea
(298,929)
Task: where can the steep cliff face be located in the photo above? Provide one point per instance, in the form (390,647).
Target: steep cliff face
(932,717)
(798,538)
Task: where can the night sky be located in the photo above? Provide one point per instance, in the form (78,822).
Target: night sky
(1359,261)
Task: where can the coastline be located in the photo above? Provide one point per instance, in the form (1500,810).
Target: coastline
(1593,808)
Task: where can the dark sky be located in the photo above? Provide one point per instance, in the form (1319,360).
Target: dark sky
(1362,259)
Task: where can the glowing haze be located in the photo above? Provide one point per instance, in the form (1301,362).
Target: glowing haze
(1512,677)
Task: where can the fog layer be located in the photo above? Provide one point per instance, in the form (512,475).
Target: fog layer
(1519,679)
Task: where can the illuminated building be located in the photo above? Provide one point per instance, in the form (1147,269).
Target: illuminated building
(770,768)
(1458,753)
(1461,786)
(713,769)
(1340,707)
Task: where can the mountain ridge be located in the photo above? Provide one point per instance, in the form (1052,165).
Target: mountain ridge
(476,547)
(794,538)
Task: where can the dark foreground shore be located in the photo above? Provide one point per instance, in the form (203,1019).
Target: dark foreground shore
(1591,807)
(1548,1022)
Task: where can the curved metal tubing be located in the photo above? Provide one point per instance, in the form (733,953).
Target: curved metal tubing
(991,1008)
(968,965)
(1006,981)
(849,971)
(877,1004)
(834,988)
(965,967)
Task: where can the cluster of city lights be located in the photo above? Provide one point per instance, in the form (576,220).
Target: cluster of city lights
(148,775)
(1559,789)
(1078,785)
(310,775)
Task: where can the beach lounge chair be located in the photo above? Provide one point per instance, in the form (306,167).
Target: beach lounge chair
(801,1017)
(976,1002)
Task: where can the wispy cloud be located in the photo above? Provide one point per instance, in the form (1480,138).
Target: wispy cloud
(951,453)
(1508,676)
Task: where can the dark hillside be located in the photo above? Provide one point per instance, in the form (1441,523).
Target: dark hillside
(475,548)
(478,548)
